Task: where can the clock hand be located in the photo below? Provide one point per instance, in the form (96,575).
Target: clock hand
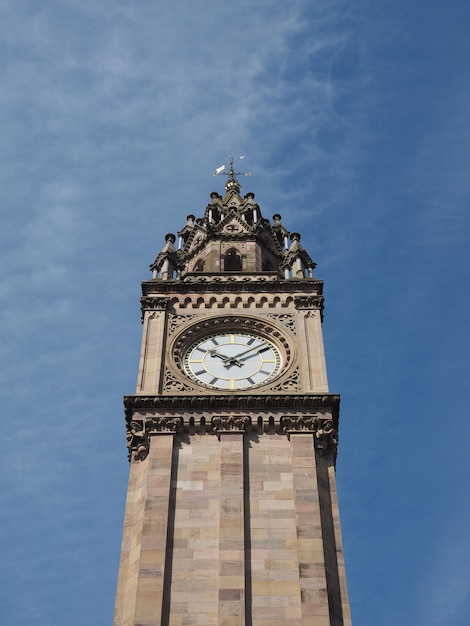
(228,360)
(247,351)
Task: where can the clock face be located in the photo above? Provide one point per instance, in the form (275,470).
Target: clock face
(232,360)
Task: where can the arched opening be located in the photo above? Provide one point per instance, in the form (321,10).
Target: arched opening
(199,267)
(232,261)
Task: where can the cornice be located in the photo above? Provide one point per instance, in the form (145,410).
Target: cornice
(266,283)
(303,402)
(291,415)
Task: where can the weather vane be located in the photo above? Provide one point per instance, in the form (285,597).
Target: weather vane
(221,170)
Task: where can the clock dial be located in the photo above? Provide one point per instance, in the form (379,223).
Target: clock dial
(232,360)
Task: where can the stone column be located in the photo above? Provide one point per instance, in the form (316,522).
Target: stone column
(231,528)
(149,379)
(312,353)
(141,575)
(312,573)
(131,541)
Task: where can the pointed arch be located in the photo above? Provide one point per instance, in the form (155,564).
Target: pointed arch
(232,261)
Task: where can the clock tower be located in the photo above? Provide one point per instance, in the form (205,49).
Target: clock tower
(231,515)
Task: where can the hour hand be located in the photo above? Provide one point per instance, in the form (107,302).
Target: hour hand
(228,360)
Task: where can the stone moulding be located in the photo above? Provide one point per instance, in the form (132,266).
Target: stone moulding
(228,402)
(148,421)
(285,414)
(238,282)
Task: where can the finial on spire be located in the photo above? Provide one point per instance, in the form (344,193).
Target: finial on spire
(232,181)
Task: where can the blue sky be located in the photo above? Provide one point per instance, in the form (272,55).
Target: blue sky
(354,119)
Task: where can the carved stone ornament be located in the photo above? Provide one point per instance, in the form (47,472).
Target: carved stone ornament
(309,302)
(173,384)
(262,282)
(287,319)
(175,321)
(326,436)
(138,440)
(307,423)
(220,402)
(153,303)
(164,424)
(290,384)
(323,430)
(139,431)
(228,423)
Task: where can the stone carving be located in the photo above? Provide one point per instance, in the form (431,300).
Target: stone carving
(194,283)
(219,402)
(175,321)
(326,436)
(165,424)
(173,384)
(323,430)
(138,433)
(309,302)
(307,423)
(287,319)
(223,423)
(290,384)
(137,440)
(152,303)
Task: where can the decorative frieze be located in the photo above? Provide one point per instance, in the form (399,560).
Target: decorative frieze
(230,423)
(323,430)
(139,432)
(191,402)
(267,282)
(153,303)
(309,302)
(315,302)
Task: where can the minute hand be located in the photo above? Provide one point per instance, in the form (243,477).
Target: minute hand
(263,348)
